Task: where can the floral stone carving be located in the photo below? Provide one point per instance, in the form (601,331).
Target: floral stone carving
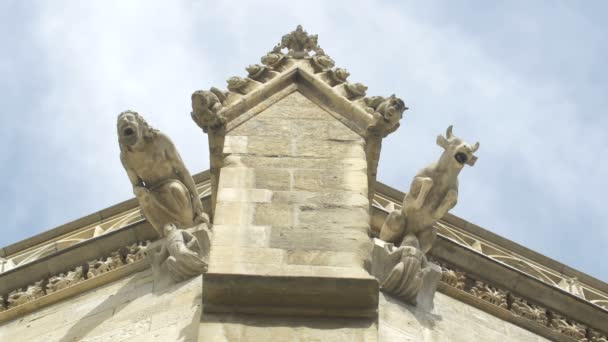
(432,193)
(26,294)
(184,253)
(162,184)
(490,294)
(530,311)
(64,280)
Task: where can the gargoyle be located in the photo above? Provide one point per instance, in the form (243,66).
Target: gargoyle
(433,192)
(161,182)
(206,105)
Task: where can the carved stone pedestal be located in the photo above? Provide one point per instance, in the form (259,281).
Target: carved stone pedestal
(405,273)
(177,259)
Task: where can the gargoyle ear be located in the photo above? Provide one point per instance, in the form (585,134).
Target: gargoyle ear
(441,141)
(472,161)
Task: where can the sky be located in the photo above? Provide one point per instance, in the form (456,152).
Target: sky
(528,80)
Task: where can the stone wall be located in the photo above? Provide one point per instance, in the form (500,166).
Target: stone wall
(127,310)
(292,195)
(451,320)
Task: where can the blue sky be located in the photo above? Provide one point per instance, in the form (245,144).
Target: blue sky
(526,79)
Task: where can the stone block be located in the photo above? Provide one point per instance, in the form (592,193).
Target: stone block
(273,215)
(273,179)
(280,295)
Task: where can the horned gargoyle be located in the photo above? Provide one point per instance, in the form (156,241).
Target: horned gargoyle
(433,192)
(206,105)
(398,259)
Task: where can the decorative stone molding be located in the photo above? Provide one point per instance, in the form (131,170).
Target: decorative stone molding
(26,294)
(573,286)
(490,294)
(503,299)
(45,289)
(64,280)
(298,44)
(567,327)
(532,312)
(453,278)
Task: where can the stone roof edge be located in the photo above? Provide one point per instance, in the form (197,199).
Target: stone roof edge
(73,226)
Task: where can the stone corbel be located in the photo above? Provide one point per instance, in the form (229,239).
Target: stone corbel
(181,254)
(405,273)
(26,294)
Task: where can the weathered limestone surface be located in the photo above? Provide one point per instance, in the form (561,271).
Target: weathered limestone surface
(292,202)
(130,309)
(451,320)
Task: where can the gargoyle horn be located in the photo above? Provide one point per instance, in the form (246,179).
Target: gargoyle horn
(475,147)
(448,133)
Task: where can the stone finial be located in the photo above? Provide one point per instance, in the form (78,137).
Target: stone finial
(206,106)
(161,182)
(298,43)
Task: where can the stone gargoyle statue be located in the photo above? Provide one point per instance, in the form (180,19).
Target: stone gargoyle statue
(163,186)
(398,259)
(182,253)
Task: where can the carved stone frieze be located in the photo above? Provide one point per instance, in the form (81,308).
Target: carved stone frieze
(64,280)
(567,327)
(597,337)
(161,182)
(47,286)
(183,253)
(453,278)
(535,313)
(26,294)
(136,252)
(490,294)
(103,265)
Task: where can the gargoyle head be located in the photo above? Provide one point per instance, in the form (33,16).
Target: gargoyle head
(132,128)
(459,151)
